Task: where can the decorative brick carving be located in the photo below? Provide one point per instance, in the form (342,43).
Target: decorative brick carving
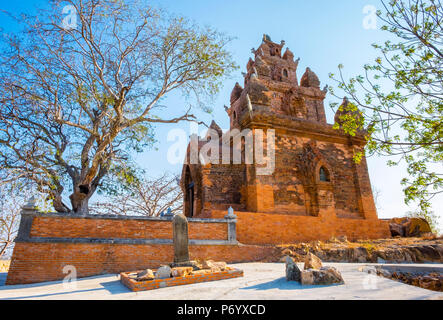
(315,174)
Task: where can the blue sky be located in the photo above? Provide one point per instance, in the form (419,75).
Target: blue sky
(322,33)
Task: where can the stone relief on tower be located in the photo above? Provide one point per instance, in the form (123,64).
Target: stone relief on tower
(271,86)
(313,172)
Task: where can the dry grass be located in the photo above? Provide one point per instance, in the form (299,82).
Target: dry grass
(4,265)
(370,245)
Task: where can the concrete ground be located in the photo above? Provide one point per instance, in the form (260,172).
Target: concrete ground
(3,276)
(261,281)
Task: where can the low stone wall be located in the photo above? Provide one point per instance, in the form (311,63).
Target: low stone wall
(38,262)
(121,227)
(47,243)
(270,228)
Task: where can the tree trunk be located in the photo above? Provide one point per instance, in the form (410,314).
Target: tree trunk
(80,203)
(58,204)
(2,252)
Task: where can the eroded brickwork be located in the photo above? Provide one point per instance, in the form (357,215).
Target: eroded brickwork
(273,228)
(38,262)
(47,243)
(315,174)
(315,191)
(53,227)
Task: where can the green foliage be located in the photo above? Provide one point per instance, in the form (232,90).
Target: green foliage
(122,179)
(204,50)
(401,96)
(350,119)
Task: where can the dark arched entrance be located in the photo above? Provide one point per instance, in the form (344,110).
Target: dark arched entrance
(189,194)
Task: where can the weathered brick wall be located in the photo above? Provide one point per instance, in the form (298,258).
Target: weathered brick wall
(225,184)
(100,228)
(305,145)
(38,262)
(270,228)
(98,245)
(60,227)
(294,186)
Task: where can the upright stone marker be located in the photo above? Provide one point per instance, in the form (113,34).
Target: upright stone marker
(180,231)
(232,226)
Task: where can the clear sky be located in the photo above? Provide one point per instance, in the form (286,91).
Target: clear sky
(323,33)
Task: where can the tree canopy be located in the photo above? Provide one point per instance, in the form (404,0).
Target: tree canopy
(76,100)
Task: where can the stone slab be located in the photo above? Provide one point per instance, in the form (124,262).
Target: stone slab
(135,285)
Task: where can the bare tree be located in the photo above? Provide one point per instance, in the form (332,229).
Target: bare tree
(12,198)
(148,196)
(77,101)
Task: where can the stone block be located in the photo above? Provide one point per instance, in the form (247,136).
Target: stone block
(293,273)
(163,272)
(312,262)
(144,275)
(324,276)
(181,271)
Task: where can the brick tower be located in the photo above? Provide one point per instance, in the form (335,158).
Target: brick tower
(314,174)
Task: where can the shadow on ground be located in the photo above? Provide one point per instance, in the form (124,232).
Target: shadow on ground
(3,276)
(52,294)
(43,284)
(283,284)
(113,287)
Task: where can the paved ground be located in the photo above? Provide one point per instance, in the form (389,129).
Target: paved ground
(261,281)
(3,278)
